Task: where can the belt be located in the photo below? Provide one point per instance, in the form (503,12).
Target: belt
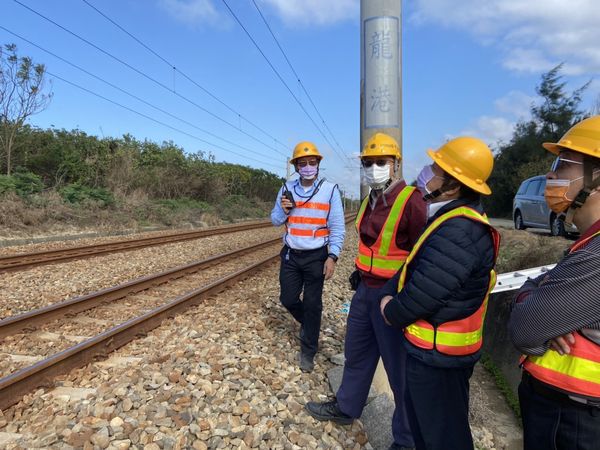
(545,390)
(303,252)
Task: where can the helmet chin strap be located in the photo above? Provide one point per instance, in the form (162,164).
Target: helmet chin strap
(433,195)
(589,185)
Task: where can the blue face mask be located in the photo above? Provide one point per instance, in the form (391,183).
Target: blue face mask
(308,172)
(424,177)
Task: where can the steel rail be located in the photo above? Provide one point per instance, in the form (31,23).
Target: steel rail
(13,387)
(41,374)
(25,260)
(31,319)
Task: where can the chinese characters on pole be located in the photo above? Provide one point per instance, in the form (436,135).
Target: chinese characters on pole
(382,72)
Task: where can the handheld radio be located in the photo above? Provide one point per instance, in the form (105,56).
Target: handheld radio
(287,194)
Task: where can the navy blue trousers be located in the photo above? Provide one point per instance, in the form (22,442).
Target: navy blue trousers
(367,339)
(303,271)
(437,402)
(553,425)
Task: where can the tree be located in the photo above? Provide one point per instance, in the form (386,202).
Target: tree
(22,94)
(523,156)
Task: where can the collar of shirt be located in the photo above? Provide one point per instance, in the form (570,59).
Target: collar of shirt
(386,194)
(589,232)
(305,190)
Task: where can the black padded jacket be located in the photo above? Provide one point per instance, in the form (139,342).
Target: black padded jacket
(447,280)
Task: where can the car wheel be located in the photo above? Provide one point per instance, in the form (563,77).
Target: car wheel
(519,225)
(557,226)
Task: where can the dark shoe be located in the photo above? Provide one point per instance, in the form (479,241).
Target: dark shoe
(328,411)
(306,362)
(395,446)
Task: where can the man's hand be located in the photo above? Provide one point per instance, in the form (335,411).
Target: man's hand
(286,205)
(384,301)
(329,268)
(561,343)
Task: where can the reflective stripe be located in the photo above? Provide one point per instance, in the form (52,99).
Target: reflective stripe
(313,205)
(307,220)
(577,372)
(308,233)
(381,263)
(384,258)
(391,224)
(456,337)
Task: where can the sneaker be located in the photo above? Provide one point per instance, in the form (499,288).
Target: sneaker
(328,411)
(307,363)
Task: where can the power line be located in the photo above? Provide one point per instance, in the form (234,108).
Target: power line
(297,76)
(171,65)
(148,77)
(278,76)
(151,118)
(128,93)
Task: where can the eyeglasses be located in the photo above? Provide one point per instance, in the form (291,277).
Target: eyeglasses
(561,163)
(312,162)
(379,162)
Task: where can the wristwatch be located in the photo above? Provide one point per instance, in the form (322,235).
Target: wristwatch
(332,256)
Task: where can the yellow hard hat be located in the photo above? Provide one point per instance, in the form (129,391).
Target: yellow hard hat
(381,144)
(468,160)
(305,148)
(583,137)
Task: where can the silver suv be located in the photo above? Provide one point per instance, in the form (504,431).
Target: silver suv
(531,211)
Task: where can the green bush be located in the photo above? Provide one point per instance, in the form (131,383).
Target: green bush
(7,184)
(184,203)
(75,193)
(22,183)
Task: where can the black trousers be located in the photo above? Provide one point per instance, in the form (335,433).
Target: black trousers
(555,424)
(301,272)
(437,404)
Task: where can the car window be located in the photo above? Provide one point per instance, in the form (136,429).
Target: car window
(523,187)
(542,187)
(532,189)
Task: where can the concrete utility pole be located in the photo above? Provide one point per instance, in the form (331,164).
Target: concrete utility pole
(380,72)
(287,169)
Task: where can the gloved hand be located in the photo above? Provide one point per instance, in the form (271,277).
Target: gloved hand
(354,280)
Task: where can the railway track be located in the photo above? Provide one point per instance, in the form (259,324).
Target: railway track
(26,260)
(155,309)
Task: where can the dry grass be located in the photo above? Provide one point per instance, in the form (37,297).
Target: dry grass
(522,250)
(47,213)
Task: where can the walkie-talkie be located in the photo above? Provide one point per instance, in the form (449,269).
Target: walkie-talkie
(286,192)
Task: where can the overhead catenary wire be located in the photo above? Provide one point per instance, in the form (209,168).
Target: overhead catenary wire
(89,91)
(187,77)
(129,93)
(279,77)
(155,81)
(296,75)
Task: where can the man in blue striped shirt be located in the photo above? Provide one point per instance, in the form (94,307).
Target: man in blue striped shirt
(555,319)
(311,210)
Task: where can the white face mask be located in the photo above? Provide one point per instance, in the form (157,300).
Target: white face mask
(376,177)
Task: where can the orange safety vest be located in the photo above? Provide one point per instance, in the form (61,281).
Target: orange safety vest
(383,259)
(577,372)
(457,337)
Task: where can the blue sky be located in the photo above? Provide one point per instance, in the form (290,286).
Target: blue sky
(468,68)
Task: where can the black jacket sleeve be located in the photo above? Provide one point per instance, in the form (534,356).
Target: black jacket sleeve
(444,262)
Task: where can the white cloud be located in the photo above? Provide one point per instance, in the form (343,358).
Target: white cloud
(533,35)
(320,12)
(292,12)
(515,103)
(498,128)
(492,129)
(190,11)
